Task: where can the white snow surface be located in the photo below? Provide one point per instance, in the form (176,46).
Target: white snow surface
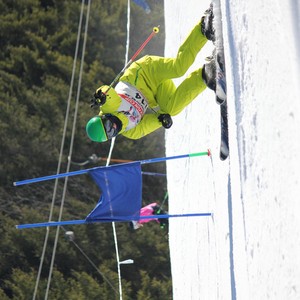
(250,248)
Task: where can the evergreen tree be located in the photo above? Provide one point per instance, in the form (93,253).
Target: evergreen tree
(37,46)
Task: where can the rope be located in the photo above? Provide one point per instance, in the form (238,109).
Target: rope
(71,239)
(70,155)
(128,33)
(71,148)
(108,161)
(61,152)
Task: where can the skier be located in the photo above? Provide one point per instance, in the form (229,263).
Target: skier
(148,83)
(149,210)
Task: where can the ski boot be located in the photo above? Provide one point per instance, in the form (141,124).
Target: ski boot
(221,80)
(209,72)
(213,72)
(134,225)
(207,28)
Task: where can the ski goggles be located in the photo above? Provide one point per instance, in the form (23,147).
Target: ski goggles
(110,127)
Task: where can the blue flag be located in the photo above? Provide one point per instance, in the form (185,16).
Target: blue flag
(143,4)
(121,187)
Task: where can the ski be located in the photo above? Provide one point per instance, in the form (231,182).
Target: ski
(221,96)
(224,146)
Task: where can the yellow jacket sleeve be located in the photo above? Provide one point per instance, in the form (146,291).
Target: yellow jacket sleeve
(113,101)
(148,124)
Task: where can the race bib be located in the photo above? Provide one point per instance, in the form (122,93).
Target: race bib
(134,104)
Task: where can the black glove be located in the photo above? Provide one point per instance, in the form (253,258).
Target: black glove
(99,99)
(166,120)
(157,210)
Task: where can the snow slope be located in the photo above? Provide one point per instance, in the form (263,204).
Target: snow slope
(250,248)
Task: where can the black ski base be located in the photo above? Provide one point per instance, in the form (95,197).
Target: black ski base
(224,147)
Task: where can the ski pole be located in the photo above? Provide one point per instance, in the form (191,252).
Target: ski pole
(165,198)
(162,204)
(154,31)
(79,172)
(111,219)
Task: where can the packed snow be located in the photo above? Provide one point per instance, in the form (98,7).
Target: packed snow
(250,248)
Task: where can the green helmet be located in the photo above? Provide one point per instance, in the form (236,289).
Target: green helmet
(95,130)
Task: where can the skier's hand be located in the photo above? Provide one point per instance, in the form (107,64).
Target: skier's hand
(156,210)
(98,99)
(166,120)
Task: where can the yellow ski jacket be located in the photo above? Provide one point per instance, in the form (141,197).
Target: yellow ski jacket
(151,77)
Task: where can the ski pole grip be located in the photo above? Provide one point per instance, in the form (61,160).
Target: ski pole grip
(156,29)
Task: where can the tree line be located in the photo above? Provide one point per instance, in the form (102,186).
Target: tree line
(37,45)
